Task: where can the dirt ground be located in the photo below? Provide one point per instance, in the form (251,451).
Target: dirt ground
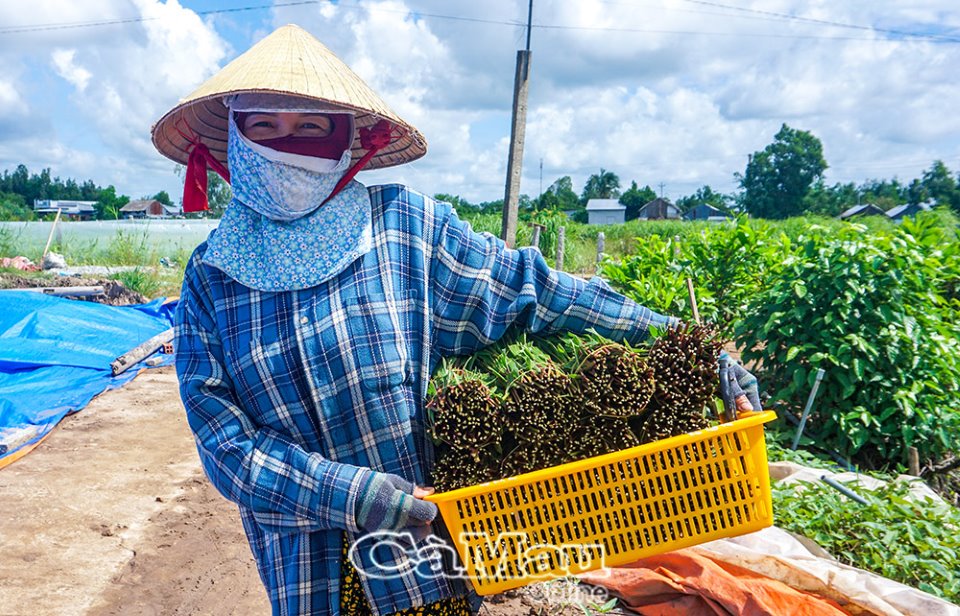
(112,516)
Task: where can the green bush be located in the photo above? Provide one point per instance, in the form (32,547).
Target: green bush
(143,281)
(871,311)
(913,542)
(728,263)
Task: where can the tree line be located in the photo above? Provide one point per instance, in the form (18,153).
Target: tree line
(20,188)
(782,180)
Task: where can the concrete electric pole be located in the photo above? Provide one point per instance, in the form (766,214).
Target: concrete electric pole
(508,230)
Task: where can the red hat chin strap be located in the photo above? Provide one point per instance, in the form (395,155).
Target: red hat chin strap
(373,139)
(195,182)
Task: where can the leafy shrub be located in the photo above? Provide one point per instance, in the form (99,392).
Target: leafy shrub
(144,282)
(913,542)
(129,248)
(869,310)
(728,263)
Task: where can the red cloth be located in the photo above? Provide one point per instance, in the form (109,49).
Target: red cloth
(330,147)
(685,583)
(195,183)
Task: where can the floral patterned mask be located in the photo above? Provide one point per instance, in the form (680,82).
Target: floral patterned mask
(274,236)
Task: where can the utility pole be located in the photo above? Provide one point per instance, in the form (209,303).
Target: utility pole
(508,230)
(661,189)
(541,178)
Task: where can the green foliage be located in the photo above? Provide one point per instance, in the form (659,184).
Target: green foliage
(603,185)
(873,311)
(128,248)
(13,207)
(705,195)
(778,178)
(162,197)
(635,198)
(913,542)
(143,281)
(727,263)
(109,203)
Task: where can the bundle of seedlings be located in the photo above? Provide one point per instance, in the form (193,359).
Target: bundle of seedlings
(528,457)
(602,435)
(684,360)
(615,381)
(453,469)
(466,425)
(464,413)
(541,402)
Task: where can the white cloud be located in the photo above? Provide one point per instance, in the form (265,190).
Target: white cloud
(664,90)
(65,66)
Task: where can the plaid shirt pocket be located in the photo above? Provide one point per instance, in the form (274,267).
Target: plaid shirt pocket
(377,334)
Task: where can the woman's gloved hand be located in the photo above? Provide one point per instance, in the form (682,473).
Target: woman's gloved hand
(743,385)
(390,502)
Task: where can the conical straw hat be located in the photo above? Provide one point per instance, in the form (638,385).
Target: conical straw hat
(288,61)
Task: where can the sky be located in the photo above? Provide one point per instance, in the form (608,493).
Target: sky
(675,93)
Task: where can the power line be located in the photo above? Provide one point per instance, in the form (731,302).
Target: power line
(933,38)
(825,22)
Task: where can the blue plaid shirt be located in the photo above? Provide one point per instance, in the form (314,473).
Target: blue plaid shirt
(289,394)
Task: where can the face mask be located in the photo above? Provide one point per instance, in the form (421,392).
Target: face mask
(282,186)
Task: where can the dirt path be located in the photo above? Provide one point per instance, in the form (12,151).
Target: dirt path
(112,516)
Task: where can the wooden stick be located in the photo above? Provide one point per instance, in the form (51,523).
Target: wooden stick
(561,239)
(913,461)
(535,240)
(693,301)
(134,355)
(50,237)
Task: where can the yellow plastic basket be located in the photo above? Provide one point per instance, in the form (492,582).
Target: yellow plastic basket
(612,509)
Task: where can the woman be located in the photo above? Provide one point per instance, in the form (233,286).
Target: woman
(312,317)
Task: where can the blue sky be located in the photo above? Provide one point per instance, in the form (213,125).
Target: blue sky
(671,91)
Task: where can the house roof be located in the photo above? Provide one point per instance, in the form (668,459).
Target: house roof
(865,208)
(902,210)
(141,205)
(704,211)
(597,205)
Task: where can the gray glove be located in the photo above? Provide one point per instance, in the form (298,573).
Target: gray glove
(386,502)
(742,385)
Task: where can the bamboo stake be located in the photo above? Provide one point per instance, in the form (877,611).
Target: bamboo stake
(50,237)
(561,239)
(913,458)
(693,301)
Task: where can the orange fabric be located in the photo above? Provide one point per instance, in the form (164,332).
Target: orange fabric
(689,584)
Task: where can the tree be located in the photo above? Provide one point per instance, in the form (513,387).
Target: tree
(162,197)
(705,195)
(938,184)
(219,194)
(559,196)
(635,198)
(831,200)
(109,203)
(778,178)
(459,203)
(603,185)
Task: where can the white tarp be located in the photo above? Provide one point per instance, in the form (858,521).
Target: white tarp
(801,564)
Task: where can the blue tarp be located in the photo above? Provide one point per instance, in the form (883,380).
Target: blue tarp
(55,356)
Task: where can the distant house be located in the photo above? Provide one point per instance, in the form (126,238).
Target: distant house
(659,209)
(867,209)
(900,212)
(605,212)
(145,208)
(706,212)
(83,210)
